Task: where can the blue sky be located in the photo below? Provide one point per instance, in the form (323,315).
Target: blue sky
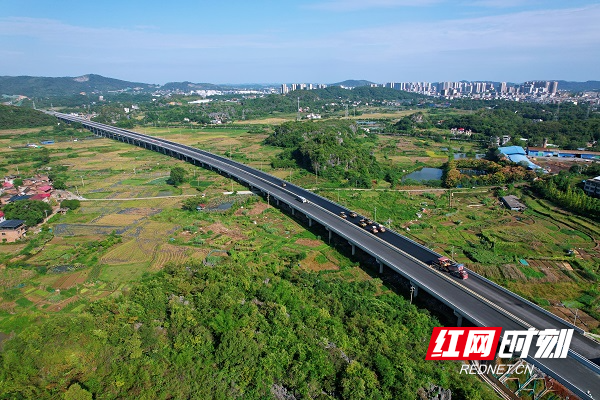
(319,41)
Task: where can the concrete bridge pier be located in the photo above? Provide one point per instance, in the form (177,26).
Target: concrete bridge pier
(330,233)
(353,247)
(459,319)
(309,221)
(380,266)
(414,289)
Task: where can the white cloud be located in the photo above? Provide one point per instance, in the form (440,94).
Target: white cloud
(502,3)
(59,33)
(551,30)
(354,5)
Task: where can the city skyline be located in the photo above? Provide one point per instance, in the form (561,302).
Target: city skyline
(319,41)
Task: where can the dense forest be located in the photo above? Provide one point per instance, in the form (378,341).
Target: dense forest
(234,331)
(568,126)
(20,117)
(338,150)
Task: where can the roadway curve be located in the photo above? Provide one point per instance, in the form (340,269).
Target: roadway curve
(476,299)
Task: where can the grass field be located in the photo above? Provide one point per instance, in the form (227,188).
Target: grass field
(475,228)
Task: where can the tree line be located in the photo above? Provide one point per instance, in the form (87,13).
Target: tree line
(565,189)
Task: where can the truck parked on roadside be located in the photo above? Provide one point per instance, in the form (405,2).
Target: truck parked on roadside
(447,265)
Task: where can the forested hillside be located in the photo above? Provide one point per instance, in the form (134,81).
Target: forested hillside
(18,117)
(335,149)
(234,331)
(63,86)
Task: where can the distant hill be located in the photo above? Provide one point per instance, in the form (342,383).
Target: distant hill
(21,117)
(43,86)
(189,86)
(353,83)
(579,86)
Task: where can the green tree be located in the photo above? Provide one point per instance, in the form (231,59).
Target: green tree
(32,211)
(59,184)
(76,392)
(177,176)
(191,203)
(70,204)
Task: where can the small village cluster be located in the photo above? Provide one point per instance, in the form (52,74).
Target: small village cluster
(38,188)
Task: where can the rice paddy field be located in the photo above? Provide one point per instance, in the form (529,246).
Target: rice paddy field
(131,224)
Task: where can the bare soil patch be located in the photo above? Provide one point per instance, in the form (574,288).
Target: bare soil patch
(311,264)
(309,242)
(62,304)
(584,321)
(257,209)
(219,228)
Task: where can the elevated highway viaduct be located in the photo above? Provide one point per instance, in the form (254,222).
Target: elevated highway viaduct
(477,299)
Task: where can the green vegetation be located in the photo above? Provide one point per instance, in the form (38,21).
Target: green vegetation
(570,127)
(337,150)
(70,204)
(20,117)
(467,172)
(31,211)
(234,330)
(563,189)
(177,176)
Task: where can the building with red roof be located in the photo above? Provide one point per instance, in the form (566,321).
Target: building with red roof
(41,197)
(45,188)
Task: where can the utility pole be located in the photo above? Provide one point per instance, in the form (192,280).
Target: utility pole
(375,214)
(298,114)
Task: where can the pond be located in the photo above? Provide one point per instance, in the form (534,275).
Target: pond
(425,174)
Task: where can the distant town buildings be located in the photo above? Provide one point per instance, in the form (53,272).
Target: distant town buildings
(530,90)
(300,86)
